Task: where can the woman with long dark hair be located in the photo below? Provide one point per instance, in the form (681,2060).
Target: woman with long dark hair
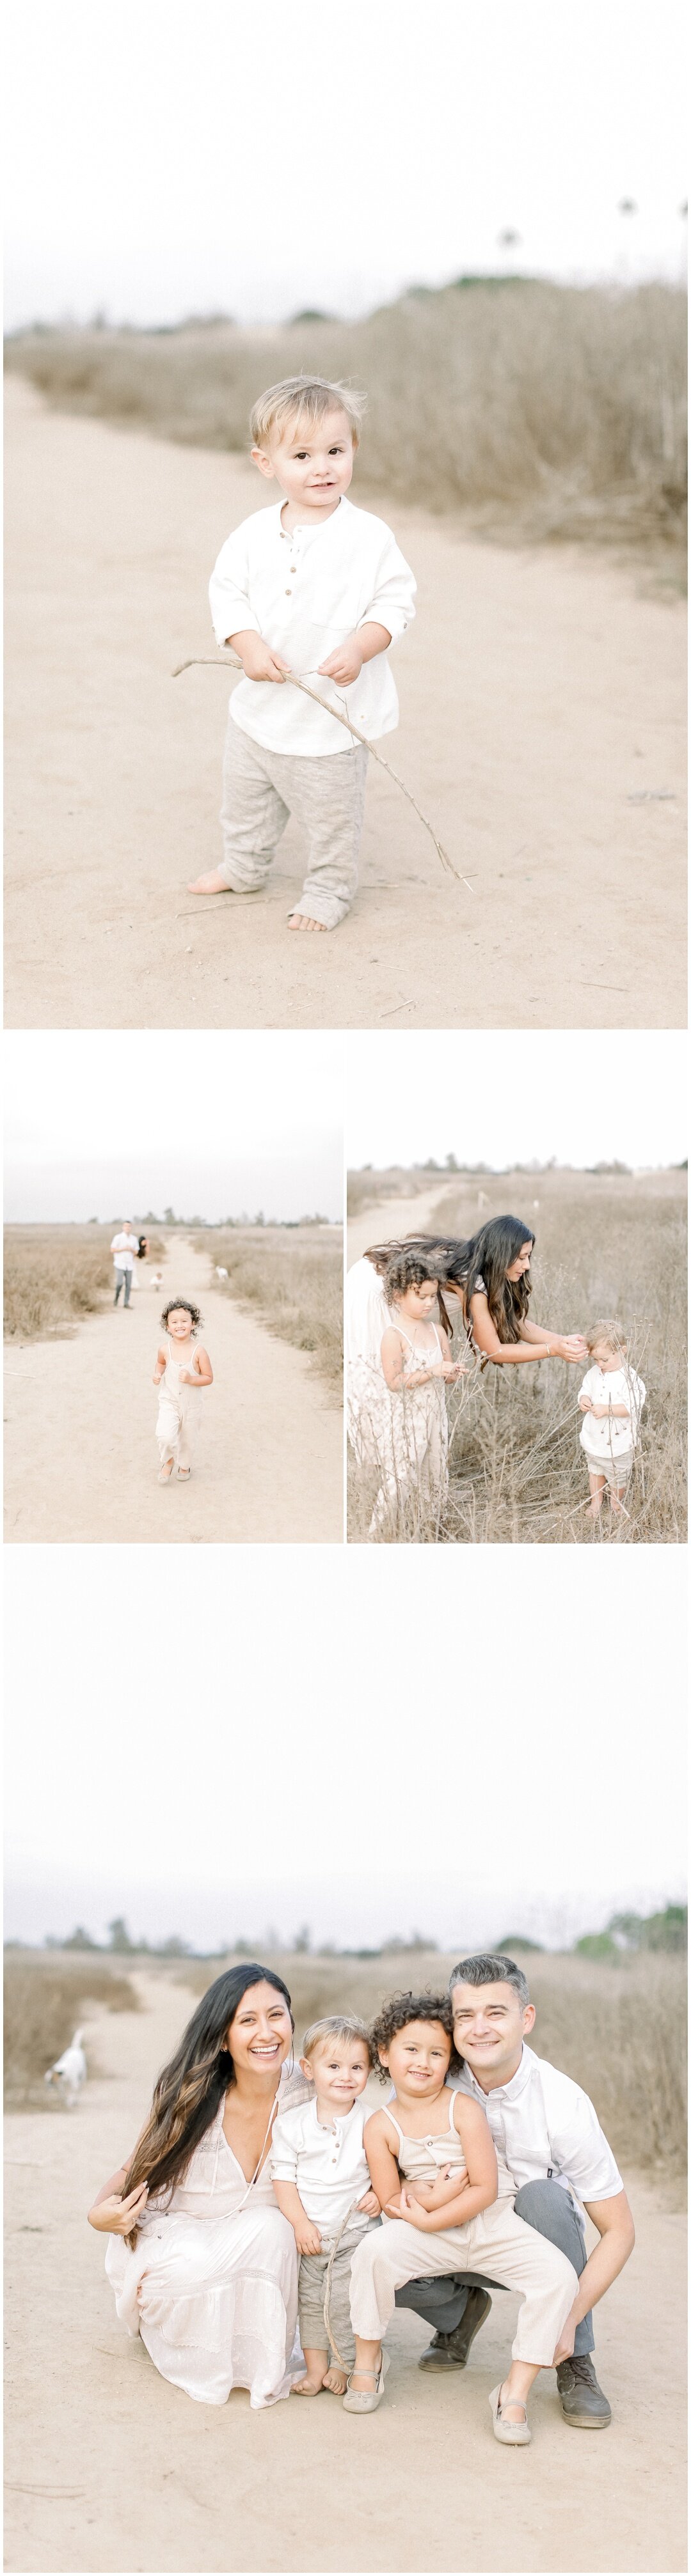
(202,2263)
(489,1275)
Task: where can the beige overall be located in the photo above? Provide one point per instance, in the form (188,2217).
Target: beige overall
(178,1410)
(496,2243)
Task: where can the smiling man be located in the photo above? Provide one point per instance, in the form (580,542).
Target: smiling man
(546,2130)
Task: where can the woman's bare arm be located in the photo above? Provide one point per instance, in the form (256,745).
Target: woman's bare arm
(506,1354)
(112,2215)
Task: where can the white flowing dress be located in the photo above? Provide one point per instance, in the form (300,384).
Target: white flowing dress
(211,2285)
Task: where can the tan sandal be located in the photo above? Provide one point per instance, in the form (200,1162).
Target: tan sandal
(503,2431)
(362,2401)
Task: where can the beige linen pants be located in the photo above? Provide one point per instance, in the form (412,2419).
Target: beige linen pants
(261,789)
(177,1426)
(497,2243)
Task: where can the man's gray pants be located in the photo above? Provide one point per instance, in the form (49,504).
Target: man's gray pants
(123,1279)
(261,789)
(543,2205)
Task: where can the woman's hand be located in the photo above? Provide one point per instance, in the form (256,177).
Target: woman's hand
(117,2217)
(571,1346)
(370,2204)
(566,2340)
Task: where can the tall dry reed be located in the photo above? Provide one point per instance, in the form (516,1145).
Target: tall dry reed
(56,1274)
(293,1278)
(45,1999)
(538,409)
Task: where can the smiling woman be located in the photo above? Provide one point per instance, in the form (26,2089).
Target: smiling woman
(202,2263)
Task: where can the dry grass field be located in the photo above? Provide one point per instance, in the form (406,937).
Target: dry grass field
(617,2029)
(543,410)
(606,1244)
(46,1994)
(292,1276)
(55,1274)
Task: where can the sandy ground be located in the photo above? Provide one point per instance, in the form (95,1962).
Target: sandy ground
(80,1455)
(110,2468)
(542,721)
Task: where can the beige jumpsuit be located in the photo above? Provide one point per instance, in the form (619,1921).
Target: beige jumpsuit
(496,2243)
(178,1410)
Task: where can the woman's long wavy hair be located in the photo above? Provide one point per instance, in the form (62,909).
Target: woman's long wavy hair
(189,2090)
(486,1255)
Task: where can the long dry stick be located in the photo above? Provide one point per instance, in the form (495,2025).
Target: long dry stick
(230,662)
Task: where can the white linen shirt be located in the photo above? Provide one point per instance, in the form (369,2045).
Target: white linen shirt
(124,1248)
(545,2128)
(304,591)
(612,1386)
(328,2166)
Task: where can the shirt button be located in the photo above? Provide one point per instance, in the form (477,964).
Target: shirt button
(289,594)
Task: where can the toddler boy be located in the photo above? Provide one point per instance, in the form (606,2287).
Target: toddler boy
(320,2175)
(611,1399)
(320,588)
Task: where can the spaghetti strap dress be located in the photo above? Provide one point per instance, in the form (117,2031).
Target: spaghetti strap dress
(211,2285)
(404,1435)
(179,1409)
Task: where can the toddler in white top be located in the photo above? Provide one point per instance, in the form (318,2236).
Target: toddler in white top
(318,588)
(611,1400)
(321,2178)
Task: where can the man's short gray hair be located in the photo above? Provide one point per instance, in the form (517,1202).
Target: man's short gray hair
(489,1968)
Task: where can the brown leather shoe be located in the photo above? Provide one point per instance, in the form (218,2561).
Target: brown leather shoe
(450,2351)
(583,2402)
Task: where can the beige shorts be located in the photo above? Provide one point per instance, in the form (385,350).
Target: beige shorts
(616,1471)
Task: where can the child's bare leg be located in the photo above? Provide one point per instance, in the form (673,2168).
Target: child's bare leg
(597,1487)
(316,2374)
(513,2394)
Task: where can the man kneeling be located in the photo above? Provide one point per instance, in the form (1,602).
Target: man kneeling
(546,2131)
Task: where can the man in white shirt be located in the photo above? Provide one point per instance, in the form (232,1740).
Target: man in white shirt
(546,2131)
(124,1248)
(320,589)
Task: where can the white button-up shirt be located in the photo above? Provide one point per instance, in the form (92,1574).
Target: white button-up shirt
(304,590)
(612,1386)
(545,2129)
(328,2166)
(124,1248)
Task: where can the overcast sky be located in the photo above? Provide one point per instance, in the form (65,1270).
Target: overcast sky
(207,1123)
(503,1098)
(165,160)
(239,1746)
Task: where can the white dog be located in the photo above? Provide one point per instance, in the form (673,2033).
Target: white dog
(69,2071)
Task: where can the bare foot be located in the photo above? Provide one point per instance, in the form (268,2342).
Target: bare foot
(166,1472)
(308,2387)
(213,884)
(301,921)
(336,2380)
(593,1511)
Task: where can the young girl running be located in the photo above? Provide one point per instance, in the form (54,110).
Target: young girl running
(447,2207)
(396,1403)
(181,1371)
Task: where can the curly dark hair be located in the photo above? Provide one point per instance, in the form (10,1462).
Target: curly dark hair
(404,2008)
(171,1309)
(406,1267)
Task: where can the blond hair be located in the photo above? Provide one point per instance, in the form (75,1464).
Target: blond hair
(336,2026)
(608,1330)
(306,398)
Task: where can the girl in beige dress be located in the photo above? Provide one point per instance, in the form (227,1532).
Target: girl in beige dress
(182,1369)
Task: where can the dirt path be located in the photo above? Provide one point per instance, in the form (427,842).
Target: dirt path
(541,700)
(81,1460)
(388,1219)
(110,2468)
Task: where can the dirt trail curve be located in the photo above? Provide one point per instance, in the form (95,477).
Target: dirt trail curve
(388,1220)
(81,1459)
(542,720)
(110,2468)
